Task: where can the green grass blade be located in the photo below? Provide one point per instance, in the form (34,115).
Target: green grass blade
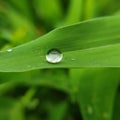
(94,43)
(23,7)
(90,9)
(74,12)
(6,105)
(116,109)
(95,94)
(58,112)
(49,10)
(35,79)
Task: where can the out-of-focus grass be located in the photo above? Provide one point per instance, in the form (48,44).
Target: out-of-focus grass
(55,94)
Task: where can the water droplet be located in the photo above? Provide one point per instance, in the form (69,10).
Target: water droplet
(9,50)
(73,59)
(89,109)
(54,56)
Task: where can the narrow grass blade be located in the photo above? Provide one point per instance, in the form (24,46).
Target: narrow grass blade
(96,92)
(94,43)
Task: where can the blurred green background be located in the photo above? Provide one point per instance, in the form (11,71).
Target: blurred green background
(55,94)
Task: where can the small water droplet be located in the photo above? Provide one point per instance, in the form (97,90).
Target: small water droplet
(54,56)
(9,50)
(73,59)
(89,109)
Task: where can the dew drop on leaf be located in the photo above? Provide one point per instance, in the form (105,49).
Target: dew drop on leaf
(72,59)
(54,56)
(9,50)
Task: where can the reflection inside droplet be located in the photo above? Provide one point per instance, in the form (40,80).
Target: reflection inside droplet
(54,56)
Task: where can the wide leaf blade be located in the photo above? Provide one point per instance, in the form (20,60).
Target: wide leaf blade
(94,43)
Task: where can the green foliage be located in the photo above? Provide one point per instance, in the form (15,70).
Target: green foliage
(84,85)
